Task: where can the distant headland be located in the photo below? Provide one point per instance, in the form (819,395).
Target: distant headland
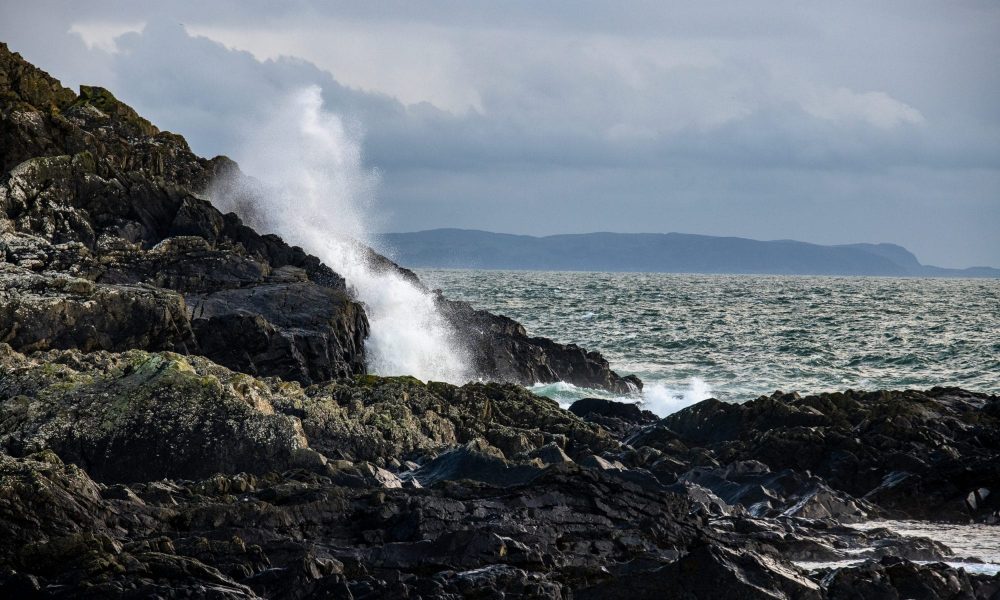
(657,252)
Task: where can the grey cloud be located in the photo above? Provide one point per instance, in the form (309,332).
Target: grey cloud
(700,119)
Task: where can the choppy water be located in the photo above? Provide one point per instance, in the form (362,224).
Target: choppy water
(689,337)
(973,542)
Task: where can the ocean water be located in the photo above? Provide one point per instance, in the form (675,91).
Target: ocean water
(976,547)
(735,337)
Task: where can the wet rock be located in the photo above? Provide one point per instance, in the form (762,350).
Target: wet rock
(619,418)
(711,572)
(900,578)
(297,331)
(912,454)
(502,350)
(471,464)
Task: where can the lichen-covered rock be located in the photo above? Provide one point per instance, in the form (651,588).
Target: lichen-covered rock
(378,419)
(136,416)
(95,192)
(42,311)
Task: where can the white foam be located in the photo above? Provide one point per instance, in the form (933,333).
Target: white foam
(657,397)
(316,193)
(663,400)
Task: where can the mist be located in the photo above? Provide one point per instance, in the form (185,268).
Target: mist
(309,185)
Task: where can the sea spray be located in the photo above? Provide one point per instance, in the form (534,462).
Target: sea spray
(658,397)
(664,400)
(309,185)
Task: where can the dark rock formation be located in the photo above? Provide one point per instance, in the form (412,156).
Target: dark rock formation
(108,245)
(897,578)
(924,455)
(94,191)
(372,487)
(502,350)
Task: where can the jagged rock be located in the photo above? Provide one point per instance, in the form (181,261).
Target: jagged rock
(297,331)
(136,416)
(712,573)
(374,419)
(96,191)
(468,463)
(786,493)
(550,454)
(619,418)
(892,578)
(912,454)
(502,350)
(53,311)
(107,198)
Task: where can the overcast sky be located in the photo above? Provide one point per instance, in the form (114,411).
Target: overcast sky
(829,122)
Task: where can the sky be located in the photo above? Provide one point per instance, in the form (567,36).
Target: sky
(824,122)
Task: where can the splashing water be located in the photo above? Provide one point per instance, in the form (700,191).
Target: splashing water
(314,191)
(657,397)
(663,400)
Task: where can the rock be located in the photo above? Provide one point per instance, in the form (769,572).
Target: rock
(821,502)
(502,350)
(137,416)
(297,331)
(619,418)
(94,190)
(786,493)
(593,461)
(469,464)
(912,454)
(900,578)
(624,411)
(711,572)
(550,454)
(43,311)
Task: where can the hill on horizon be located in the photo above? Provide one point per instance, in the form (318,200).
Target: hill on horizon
(656,252)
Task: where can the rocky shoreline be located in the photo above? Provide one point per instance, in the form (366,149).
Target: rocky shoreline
(185,412)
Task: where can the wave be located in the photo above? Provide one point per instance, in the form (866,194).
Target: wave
(658,397)
(310,186)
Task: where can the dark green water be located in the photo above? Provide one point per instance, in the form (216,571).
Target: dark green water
(689,337)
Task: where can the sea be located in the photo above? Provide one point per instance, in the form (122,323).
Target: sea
(736,337)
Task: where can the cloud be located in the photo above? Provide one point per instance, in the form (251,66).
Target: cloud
(876,108)
(790,121)
(101,35)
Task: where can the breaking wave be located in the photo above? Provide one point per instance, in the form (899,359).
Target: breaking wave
(310,186)
(658,397)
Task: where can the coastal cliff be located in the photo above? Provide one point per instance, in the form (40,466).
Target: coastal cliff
(109,242)
(185,411)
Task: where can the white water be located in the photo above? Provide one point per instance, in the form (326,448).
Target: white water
(978,542)
(314,191)
(657,397)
